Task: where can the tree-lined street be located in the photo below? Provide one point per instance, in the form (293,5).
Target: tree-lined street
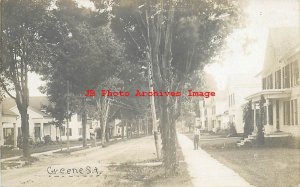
(119,79)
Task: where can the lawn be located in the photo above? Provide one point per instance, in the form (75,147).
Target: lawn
(260,166)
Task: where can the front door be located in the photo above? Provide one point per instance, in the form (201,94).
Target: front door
(37,133)
(8,134)
(277,116)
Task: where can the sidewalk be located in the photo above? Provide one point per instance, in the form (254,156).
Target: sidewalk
(205,171)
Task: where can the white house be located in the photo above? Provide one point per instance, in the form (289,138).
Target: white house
(227,106)
(280,84)
(39,123)
(116,128)
(205,107)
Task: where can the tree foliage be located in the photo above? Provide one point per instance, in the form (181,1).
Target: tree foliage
(87,56)
(25,47)
(177,38)
(260,137)
(248,119)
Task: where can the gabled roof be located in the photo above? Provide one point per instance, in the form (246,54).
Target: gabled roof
(279,43)
(7,104)
(35,104)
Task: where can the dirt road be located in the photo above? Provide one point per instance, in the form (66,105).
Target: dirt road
(84,168)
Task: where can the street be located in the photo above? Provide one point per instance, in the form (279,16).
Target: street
(38,174)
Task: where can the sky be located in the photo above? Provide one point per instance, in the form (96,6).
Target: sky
(261,16)
(236,58)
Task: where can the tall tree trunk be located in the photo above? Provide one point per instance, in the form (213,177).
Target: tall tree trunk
(138,127)
(123,131)
(127,135)
(25,132)
(168,134)
(103,127)
(22,101)
(103,105)
(84,122)
(107,133)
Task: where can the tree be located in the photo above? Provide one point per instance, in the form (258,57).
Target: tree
(260,138)
(177,38)
(248,119)
(87,56)
(25,44)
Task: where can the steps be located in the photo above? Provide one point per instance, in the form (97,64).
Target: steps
(270,137)
(247,141)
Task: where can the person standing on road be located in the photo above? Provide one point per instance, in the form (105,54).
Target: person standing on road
(196,137)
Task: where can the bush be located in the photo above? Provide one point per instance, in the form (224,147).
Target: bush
(20,142)
(232,130)
(248,115)
(47,139)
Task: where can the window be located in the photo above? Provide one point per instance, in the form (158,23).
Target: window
(286,76)
(214,110)
(231,100)
(295,74)
(63,131)
(69,131)
(268,82)
(294,112)
(78,117)
(278,79)
(8,136)
(37,132)
(264,83)
(80,131)
(8,132)
(286,112)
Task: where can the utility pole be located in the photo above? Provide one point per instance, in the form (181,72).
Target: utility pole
(152,104)
(126,123)
(68,142)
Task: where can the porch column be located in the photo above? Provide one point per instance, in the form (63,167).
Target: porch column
(267,111)
(42,131)
(254,117)
(15,135)
(1,134)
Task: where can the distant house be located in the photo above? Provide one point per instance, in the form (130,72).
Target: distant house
(239,87)
(227,106)
(280,92)
(116,128)
(11,121)
(39,123)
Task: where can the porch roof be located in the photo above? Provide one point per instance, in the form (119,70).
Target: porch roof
(270,94)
